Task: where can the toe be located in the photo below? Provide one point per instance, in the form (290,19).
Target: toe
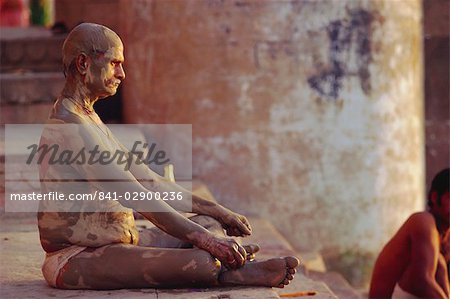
(252,248)
(290,276)
(292,271)
(292,261)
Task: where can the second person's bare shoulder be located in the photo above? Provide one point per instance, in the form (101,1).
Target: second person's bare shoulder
(421,222)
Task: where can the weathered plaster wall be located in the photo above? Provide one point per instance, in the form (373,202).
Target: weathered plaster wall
(308,113)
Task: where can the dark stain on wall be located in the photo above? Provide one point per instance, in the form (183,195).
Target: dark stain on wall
(349,37)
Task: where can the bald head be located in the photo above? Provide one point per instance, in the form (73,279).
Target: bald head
(88,39)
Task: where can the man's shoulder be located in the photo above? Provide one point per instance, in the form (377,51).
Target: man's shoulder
(421,223)
(65,111)
(421,216)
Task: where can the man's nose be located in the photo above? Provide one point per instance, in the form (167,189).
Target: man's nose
(120,73)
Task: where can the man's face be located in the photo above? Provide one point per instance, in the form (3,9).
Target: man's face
(443,209)
(106,72)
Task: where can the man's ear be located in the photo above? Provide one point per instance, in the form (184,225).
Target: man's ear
(82,63)
(434,198)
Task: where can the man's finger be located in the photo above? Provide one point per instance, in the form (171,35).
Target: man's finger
(230,261)
(243,252)
(245,228)
(247,224)
(239,254)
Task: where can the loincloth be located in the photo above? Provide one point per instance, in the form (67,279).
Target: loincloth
(55,261)
(399,293)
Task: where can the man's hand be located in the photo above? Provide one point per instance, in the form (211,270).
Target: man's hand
(234,223)
(227,251)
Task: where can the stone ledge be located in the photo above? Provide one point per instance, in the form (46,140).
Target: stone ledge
(30,48)
(29,88)
(336,282)
(19,33)
(21,257)
(25,114)
(273,244)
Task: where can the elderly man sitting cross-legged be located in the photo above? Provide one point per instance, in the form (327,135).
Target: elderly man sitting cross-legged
(104,250)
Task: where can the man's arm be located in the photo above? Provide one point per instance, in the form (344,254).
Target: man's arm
(113,178)
(424,258)
(234,223)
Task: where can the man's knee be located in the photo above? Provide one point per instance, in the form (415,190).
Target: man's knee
(211,269)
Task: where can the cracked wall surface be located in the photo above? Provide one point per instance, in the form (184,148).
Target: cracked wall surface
(308,113)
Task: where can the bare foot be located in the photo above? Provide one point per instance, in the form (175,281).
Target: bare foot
(276,272)
(251,250)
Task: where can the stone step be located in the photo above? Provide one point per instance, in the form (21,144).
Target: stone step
(19,243)
(30,88)
(35,49)
(336,282)
(302,285)
(26,98)
(20,233)
(312,274)
(273,244)
(24,114)
(21,276)
(313,261)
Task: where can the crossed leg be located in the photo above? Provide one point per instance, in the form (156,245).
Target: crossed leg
(128,266)
(155,237)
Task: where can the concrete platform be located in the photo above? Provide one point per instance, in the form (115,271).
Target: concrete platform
(336,282)
(21,257)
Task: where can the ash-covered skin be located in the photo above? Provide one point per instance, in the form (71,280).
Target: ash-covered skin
(179,251)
